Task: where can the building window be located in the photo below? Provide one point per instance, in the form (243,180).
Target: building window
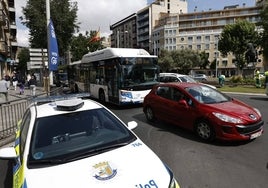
(190,47)
(207,47)
(198,47)
(198,38)
(207,38)
(190,39)
(166,41)
(224,63)
(166,32)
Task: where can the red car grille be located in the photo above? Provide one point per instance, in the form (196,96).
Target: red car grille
(250,128)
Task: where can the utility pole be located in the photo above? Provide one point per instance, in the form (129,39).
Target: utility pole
(49,78)
(216,56)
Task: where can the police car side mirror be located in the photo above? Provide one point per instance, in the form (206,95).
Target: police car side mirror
(132,125)
(8,153)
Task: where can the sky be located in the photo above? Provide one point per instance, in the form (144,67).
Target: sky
(95,14)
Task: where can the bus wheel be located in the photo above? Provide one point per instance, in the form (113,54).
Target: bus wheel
(101,96)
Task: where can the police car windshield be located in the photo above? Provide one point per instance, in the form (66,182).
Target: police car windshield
(60,136)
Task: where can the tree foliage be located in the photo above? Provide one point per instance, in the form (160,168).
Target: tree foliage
(204,62)
(264,34)
(64,16)
(82,44)
(23,57)
(182,60)
(165,61)
(235,39)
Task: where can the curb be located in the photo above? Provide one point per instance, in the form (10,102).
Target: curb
(7,141)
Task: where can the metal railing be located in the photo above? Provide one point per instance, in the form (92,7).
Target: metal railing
(10,114)
(12,111)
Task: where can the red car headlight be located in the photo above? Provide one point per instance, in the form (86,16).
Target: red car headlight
(226,118)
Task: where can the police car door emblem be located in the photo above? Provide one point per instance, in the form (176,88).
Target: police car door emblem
(104,171)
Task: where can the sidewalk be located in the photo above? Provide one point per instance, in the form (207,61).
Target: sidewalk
(15,94)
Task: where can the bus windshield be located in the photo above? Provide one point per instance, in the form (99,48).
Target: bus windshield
(139,71)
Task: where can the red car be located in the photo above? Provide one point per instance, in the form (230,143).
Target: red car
(204,110)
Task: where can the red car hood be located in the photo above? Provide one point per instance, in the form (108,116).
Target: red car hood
(237,109)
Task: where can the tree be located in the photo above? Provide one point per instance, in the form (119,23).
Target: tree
(235,39)
(64,16)
(185,59)
(78,47)
(165,61)
(23,57)
(264,34)
(204,62)
(181,60)
(82,44)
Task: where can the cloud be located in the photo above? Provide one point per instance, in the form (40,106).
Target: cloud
(91,15)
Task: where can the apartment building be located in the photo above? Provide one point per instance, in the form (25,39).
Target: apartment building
(148,17)
(124,33)
(201,30)
(8,40)
(165,24)
(137,28)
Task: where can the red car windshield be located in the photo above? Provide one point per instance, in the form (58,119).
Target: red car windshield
(207,95)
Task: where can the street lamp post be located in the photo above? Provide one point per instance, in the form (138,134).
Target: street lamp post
(216,57)
(48,78)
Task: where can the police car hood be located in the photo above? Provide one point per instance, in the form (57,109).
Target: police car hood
(134,165)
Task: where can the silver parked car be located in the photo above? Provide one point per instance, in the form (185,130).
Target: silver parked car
(200,77)
(175,77)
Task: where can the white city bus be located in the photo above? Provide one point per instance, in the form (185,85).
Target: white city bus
(117,75)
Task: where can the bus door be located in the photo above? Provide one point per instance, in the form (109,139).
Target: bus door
(98,85)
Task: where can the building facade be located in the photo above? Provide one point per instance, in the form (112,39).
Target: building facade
(8,39)
(165,24)
(200,31)
(124,33)
(137,28)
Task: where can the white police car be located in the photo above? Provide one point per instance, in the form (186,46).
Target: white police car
(78,142)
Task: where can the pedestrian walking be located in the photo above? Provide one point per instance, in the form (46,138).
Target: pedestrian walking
(7,78)
(221,80)
(28,80)
(257,79)
(21,85)
(4,88)
(32,84)
(14,81)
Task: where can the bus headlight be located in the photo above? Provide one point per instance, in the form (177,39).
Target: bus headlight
(126,94)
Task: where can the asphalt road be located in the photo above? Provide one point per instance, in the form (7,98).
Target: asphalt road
(203,165)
